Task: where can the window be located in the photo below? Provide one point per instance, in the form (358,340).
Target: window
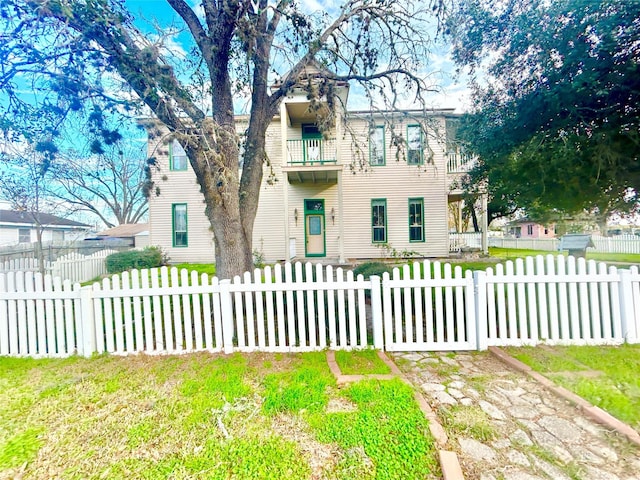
(180,225)
(414,145)
(416,220)
(529,229)
(24,235)
(379,220)
(376,146)
(177,156)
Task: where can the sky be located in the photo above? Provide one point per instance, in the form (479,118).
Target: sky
(453,93)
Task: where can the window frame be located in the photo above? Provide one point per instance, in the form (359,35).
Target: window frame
(373,146)
(416,201)
(420,150)
(174,232)
(530,229)
(21,231)
(376,203)
(172,166)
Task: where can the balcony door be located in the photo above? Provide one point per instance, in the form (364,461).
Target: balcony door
(314,228)
(311,143)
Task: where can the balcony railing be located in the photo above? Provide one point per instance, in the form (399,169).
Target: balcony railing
(311,151)
(459,162)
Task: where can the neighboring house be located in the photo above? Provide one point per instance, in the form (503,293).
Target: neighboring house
(130,234)
(21,227)
(317,202)
(525,228)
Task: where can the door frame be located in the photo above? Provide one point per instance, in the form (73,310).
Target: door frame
(309,212)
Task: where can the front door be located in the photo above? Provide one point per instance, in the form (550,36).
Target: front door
(314,228)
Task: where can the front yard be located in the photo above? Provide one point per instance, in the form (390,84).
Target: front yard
(207,416)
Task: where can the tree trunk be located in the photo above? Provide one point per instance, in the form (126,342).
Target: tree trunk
(40,250)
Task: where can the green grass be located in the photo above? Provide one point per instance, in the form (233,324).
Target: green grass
(361,362)
(606,376)
(208,268)
(256,416)
(513,253)
(387,428)
(469,421)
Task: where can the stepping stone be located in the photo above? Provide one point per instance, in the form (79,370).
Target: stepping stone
(501,444)
(491,410)
(523,412)
(561,429)
(433,387)
(456,384)
(455,393)
(476,450)
(519,437)
(444,398)
(518,458)
(551,470)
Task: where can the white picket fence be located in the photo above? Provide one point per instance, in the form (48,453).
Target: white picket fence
(74,267)
(426,306)
(23,265)
(77,267)
(460,241)
(619,244)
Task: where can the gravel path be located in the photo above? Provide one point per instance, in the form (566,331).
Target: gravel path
(506,426)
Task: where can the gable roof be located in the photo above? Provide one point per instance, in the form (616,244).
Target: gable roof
(11,216)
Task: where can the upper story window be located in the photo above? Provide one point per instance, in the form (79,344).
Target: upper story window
(177,156)
(415,147)
(376,146)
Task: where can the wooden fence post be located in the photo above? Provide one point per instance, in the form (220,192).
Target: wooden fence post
(226,309)
(376,312)
(480,300)
(86,335)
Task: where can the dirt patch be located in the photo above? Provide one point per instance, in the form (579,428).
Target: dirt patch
(321,457)
(337,405)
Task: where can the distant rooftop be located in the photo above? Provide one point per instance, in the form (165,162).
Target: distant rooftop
(125,230)
(11,216)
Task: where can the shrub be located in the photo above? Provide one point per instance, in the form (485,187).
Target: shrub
(149,257)
(371,268)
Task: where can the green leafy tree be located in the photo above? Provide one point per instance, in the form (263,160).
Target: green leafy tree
(556,97)
(88,53)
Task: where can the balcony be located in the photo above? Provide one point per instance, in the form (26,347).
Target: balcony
(312,161)
(458,162)
(311,151)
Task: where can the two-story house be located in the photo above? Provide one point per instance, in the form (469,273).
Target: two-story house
(373,184)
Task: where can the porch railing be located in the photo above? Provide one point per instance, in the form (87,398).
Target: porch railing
(311,151)
(459,162)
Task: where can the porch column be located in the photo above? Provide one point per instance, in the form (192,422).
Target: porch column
(285,180)
(340,220)
(340,193)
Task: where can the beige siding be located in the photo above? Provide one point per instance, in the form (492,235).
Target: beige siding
(396,182)
(178,187)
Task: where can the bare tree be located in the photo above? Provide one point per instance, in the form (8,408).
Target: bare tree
(110,185)
(237,47)
(24,180)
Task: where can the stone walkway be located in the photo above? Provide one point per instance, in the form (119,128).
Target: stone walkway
(506,426)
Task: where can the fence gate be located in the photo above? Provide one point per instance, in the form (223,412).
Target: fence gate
(428,308)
